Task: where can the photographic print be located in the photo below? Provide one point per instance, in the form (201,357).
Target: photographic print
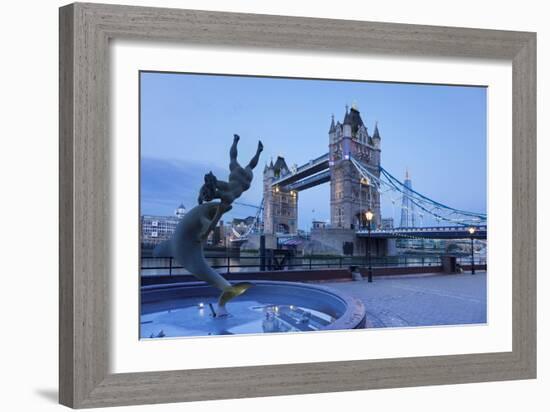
(290,205)
(264,199)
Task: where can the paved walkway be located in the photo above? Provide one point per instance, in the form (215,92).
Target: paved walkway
(421,300)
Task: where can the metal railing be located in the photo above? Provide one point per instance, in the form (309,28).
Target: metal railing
(232,264)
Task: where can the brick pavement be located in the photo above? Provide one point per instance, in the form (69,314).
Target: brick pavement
(421,300)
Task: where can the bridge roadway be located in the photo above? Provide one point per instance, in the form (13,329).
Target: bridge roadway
(439,232)
(312,181)
(305,172)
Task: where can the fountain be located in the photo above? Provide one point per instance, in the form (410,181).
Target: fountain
(188,309)
(199,309)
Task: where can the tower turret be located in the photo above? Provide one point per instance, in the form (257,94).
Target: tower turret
(332,131)
(280,167)
(332,128)
(376,136)
(347,124)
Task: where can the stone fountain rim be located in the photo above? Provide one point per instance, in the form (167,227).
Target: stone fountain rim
(353,317)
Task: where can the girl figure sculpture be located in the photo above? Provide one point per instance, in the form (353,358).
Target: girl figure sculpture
(239,181)
(186,245)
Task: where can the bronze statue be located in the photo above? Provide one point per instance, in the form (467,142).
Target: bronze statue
(186,245)
(238,182)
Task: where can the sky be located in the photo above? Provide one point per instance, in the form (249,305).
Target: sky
(437,132)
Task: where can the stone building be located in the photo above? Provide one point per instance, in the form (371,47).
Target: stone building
(280,214)
(157,229)
(350,194)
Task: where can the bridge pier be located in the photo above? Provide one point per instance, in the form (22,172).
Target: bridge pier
(378,247)
(335,238)
(391,247)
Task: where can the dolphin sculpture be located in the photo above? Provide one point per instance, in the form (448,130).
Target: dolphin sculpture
(186,244)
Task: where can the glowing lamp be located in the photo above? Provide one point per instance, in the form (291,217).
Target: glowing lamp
(369,215)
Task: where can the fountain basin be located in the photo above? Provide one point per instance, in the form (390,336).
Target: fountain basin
(189,309)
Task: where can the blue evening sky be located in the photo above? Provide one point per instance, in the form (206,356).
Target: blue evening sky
(188,122)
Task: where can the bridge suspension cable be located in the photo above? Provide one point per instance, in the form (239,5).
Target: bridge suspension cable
(427,199)
(250,228)
(388,184)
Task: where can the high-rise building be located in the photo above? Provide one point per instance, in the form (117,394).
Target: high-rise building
(387,223)
(407,205)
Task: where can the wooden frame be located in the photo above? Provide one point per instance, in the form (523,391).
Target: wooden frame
(85,31)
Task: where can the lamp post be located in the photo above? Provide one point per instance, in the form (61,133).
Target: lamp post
(369,216)
(472,230)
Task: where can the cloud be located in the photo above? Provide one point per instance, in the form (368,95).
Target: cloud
(165,183)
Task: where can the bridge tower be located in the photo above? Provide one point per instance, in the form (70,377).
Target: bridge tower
(350,195)
(280,214)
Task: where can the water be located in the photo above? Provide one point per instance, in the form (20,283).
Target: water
(247,262)
(250,262)
(195,317)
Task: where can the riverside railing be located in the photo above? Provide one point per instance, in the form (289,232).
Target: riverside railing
(231,264)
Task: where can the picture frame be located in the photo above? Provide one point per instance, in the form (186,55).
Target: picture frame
(85,33)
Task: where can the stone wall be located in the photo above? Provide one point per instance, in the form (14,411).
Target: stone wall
(334,238)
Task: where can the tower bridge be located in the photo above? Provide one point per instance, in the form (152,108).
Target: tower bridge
(351,195)
(352,167)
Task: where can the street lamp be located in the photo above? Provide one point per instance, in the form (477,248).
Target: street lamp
(472,230)
(369,216)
